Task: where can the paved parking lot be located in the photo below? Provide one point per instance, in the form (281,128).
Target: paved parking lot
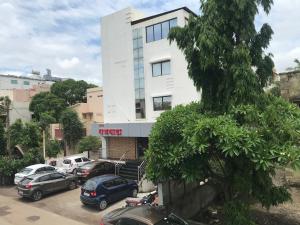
(66,203)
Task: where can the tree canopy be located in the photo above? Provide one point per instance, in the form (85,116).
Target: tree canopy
(238,135)
(72,127)
(71,91)
(2,139)
(89,143)
(46,102)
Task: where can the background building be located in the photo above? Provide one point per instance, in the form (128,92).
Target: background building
(290,86)
(143,75)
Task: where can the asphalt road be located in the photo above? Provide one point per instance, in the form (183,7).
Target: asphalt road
(65,204)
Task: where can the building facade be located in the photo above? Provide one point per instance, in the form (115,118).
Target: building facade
(9,82)
(143,75)
(20,100)
(290,86)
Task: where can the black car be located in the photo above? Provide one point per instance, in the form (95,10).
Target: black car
(143,215)
(102,190)
(93,169)
(37,185)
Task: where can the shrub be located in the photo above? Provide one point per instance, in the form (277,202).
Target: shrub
(89,143)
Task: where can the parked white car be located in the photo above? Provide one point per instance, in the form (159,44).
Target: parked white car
(34,169)
(70,164)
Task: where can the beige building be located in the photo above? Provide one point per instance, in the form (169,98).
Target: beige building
(290,86)
(20,100)
(89,113)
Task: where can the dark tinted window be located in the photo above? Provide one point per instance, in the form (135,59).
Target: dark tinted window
(40,170)
(150,35)
(78,160)
(44,178)
(119,181)
(108,184)
(100,166)
(49,168)
(84,159)
(126,221)
(67,161)
(26,170)
(162,103)
(56,176)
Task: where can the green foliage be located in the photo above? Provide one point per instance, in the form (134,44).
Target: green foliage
(2,139)
(26,135)
(8,167)
(89,143)
(53,148)
(72,127)
(221,47)
(46,102)
(239,134)
(71,91)
(297,67)
(45,120)
(236,212)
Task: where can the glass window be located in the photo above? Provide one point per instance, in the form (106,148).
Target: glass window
(135,53)
(140,42)
(26,83)
(167,104)
(55,176)
(108,184)
(162,103)
(157,103)
(135,33)
(173,23)
(14,81)
(127,221)
(156,69)
(150,34)
(44,178)
(39,170)
(165,29)
(90,185)
(137,93)
(78,160)
(25,180)
(49,168)
(165,68)
(26,170)
(157,32)
(84,159)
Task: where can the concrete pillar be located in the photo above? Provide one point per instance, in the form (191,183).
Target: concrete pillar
(104,147)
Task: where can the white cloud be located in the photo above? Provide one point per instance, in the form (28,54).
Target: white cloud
(68,63)
(61,35)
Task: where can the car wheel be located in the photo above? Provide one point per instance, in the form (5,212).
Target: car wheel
(37,195)
(72,185)
(134,193)
(102,204)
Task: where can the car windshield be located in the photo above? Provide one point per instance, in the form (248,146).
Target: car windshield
(90,185)
(26,170)
(67,161)
(172,219)
(87,165)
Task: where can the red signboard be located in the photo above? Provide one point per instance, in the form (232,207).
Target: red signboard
(112,132)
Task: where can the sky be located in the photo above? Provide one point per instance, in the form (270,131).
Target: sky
(64,35)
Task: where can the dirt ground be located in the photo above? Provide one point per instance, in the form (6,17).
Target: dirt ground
(285,214)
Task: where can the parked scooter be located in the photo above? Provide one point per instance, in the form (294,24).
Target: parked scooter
(146,200)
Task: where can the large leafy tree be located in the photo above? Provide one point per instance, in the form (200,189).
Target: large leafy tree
(238,135)
(89,143)
(72,127)
(71,91)
(46,102)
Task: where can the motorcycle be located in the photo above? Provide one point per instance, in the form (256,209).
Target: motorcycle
(146,200)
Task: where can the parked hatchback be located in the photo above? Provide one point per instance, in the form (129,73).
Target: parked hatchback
(143,215)
(103,190)
(71,164)
(37,185)
(93,169)
(33,169)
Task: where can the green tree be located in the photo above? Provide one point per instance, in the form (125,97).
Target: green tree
(297,67)
(2,139)
(238,135)
(89,143)
(72,128)
(26,135)
(46,102)
(53,148)
(71,91)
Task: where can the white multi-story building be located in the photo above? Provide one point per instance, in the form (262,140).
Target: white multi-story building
(143,75)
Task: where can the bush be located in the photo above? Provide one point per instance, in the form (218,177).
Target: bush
(53,148)
(8,167)
(89,143)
